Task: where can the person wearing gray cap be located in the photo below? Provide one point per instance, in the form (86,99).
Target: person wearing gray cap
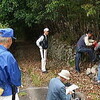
(10,74)
(57,89)
(42,43)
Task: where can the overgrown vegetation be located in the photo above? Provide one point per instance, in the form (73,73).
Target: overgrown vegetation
(68,17)
(33,77)
(4,26)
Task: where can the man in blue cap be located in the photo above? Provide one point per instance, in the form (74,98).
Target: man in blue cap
(10,74)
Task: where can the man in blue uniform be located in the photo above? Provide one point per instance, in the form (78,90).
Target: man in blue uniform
(10,74)
(83,45)
(57,89)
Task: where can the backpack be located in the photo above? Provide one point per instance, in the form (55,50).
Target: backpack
(44,43)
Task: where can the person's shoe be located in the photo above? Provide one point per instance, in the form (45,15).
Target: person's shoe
(44,71)
(77,71)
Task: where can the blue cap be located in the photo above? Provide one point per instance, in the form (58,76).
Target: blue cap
(7,32)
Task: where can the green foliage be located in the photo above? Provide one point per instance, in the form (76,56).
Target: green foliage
(20,14)
(90,9)
(22,94)
(72,62)
(62,15)
(62,9)
(3,25)
(36,80)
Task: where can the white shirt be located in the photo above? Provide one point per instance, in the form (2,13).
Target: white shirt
(88,41)
(39,40)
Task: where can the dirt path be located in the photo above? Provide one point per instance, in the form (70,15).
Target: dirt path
(28,58)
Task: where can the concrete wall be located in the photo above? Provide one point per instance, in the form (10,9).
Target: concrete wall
(60,50)
(35,93)
(40,93)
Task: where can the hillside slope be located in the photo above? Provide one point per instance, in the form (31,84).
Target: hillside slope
(28,58)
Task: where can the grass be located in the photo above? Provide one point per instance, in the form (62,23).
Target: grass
(22,93)
(72,62)
(41,79)
(36,80)
(94,96)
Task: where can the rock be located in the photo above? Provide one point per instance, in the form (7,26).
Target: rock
(92,72)
(79,96)
(95,66)
(61,51)
(35,93)
(88,71)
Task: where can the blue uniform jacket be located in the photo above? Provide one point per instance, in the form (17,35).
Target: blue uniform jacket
(57,90)
(12,73)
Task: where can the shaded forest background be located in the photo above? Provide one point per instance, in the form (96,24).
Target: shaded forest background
(67,18)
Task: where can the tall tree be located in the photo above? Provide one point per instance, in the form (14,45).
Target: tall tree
(65,17)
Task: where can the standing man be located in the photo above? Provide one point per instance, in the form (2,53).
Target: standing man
(57,89)
(42,43)
(83,45)
(10,74)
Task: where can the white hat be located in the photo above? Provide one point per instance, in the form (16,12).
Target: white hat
(46,29)
(65,74)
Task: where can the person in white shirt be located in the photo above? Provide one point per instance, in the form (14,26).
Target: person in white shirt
(42,43)
(82,46)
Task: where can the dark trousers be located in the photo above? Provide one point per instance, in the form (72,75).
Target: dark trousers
(79,52)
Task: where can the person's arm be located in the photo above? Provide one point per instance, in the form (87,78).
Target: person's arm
(87,41)
(63,95)
(91,41)
(13,70)
(39,40)
(97,46)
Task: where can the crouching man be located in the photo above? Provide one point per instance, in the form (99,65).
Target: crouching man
(57,89)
